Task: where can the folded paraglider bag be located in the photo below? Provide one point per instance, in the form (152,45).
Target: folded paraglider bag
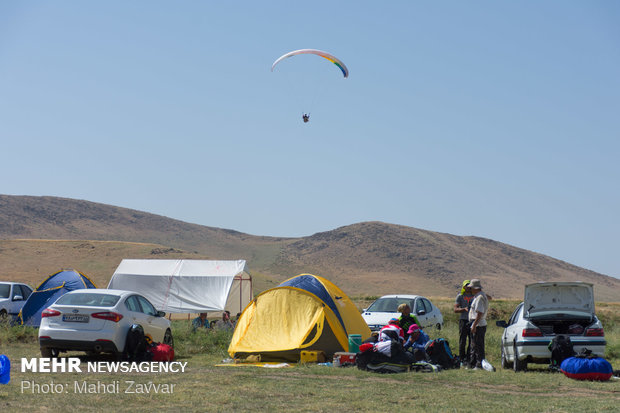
(398,363)
(161,352)
(424,367)
(387,367)
(587,368)
(384,357)
(364,357)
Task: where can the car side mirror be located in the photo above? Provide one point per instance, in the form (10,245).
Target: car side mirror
(364,310)
(501,323)
(18,298)
(161,314)
(421,312)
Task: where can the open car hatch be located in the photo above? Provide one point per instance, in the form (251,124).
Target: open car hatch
(557,297)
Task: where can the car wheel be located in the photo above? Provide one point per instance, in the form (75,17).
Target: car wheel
(505,363)
(3,314)
(168,338)
(517,364)
(49,352)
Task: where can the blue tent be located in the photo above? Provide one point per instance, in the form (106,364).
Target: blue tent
(49,291)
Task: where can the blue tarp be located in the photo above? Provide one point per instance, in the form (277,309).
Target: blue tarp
(49,291)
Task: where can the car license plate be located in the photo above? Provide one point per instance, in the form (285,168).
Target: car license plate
(75,318)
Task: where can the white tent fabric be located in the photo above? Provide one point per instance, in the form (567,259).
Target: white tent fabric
(186,286)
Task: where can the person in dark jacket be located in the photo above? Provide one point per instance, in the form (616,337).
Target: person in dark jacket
(406,319)
(461,306)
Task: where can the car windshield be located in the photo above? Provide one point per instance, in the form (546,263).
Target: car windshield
(5,290)
(89,299)
(389,304)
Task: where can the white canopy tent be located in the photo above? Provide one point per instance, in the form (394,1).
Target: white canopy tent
(187,286)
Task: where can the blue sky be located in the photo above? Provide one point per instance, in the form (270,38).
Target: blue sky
(493,119)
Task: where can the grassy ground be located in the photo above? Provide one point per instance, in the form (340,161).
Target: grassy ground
(311,388)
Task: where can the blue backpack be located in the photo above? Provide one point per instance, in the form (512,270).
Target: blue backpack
(439,353)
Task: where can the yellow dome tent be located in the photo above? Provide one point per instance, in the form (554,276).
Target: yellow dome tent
(306,312)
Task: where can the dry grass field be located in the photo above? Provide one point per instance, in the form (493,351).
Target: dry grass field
(206,386)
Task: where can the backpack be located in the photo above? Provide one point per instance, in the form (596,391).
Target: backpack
(439,353)
(136,345)
(383,357)
(561,348)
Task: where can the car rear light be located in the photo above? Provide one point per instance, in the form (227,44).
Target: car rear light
(531,332)
(595,332)
(48,312)
(108,315)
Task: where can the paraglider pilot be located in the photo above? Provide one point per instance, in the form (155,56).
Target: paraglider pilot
(305,117)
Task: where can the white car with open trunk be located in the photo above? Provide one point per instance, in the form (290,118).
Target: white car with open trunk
(550,309)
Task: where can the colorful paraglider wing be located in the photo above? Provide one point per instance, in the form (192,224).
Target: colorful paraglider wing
(325,55)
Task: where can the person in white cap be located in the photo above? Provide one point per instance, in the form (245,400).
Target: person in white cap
(478,319)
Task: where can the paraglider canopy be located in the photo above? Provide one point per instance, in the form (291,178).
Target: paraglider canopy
(321,53)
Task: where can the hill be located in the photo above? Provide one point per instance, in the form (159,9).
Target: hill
(40,235)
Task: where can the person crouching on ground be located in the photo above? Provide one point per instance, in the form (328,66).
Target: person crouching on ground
(200,322)
(478,319)
(224,323)
(416,342)
(406,320)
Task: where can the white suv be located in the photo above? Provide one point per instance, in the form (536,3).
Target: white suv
(12,297)
(550,309)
